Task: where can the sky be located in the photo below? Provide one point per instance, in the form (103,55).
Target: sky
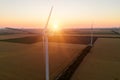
(66,13)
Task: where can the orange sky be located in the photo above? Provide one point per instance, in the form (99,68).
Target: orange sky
(68,13)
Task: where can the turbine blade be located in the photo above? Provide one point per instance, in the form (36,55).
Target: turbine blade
(46,25)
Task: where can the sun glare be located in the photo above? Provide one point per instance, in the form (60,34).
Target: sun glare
(55,27)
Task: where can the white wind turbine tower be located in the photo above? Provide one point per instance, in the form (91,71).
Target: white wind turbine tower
(45,44)
(91,39)
(119,30)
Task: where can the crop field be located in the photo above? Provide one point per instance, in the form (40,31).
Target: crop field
(102,63)
(88,31)
(59,39)
(100,33)
(12,36)
(22,55)
(26,61)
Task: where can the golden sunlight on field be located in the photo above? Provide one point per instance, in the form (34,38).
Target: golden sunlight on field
(26,61)
(2,37)
(102,63)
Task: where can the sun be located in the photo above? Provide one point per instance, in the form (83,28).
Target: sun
(55,27)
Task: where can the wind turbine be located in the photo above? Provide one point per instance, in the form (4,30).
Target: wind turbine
(118,30)
(91,38)
(45,44)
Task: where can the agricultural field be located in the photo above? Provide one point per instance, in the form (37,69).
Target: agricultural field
(102,63)
(12,36)
(26,61)
(100,33)
(22,55)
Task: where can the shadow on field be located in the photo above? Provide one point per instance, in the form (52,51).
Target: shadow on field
(69,71)
(67,74)
(59,39)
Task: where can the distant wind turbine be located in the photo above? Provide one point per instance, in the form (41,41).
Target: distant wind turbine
(119,30)
(91,39)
